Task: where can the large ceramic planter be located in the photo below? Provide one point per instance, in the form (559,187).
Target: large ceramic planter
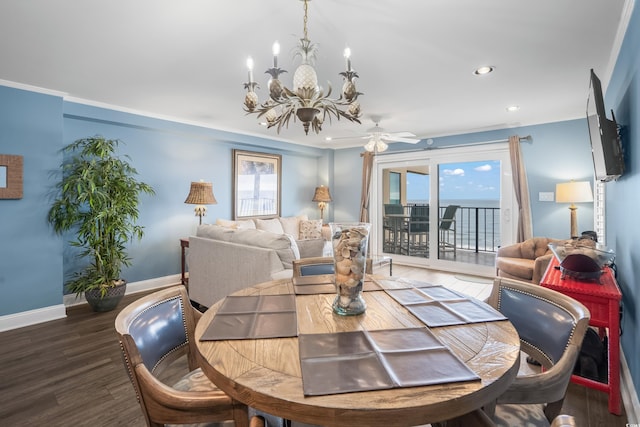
(110,301)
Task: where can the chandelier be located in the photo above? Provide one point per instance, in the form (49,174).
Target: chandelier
(307,100)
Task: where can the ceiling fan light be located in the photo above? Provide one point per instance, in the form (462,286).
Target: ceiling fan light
(381,146)
(371,145)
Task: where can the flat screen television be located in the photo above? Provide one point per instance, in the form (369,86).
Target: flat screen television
(606,148)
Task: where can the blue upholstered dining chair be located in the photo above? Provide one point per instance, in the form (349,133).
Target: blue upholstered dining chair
(551,328)
(313,266)
(155,331)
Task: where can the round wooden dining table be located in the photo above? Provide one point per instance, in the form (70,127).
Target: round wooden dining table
(266,374)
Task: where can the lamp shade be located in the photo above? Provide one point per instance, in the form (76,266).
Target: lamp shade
(322,194)
(574,192)
(201,193)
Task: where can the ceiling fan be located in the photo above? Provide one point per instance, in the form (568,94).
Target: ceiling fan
(378,138)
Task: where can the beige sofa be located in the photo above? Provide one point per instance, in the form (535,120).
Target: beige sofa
(224,259)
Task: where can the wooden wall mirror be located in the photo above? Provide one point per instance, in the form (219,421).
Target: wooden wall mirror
(10,177)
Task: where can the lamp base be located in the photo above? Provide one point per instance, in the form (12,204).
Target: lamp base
(200,211)
(574,221)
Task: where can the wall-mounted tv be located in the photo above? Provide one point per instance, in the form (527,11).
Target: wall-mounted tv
(606,148)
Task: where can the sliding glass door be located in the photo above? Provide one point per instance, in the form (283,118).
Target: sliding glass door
(447,208)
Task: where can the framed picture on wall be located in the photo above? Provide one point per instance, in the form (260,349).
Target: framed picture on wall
(256,184)
(10,176)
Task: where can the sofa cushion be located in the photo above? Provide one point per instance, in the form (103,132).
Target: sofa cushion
(246,223)
(535,247)
(311,229)
(226,223)
(216,232)
(291,224)
(271,225)
(516,267)
(281,243)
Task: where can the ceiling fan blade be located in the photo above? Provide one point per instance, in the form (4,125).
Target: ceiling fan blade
(339,138)
(402,134)
(395,138)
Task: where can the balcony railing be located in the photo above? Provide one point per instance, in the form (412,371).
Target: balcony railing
(477,229)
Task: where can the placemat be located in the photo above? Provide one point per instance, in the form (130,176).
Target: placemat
(323,284)
(375,360)
(252,317)
(439,306)
(401,283)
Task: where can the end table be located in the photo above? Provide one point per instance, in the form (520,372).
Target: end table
(603,301)
(184,244)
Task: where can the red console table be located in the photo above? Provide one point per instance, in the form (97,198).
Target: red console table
(603,301)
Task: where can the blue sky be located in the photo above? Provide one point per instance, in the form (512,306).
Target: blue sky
(468,180)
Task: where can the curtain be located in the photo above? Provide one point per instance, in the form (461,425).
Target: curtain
(367,165)
(521,188)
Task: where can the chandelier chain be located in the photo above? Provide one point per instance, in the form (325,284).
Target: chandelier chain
(306,11)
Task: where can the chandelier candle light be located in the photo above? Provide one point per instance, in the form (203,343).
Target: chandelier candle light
(307,100)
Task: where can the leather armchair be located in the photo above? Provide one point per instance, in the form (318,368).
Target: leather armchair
(525,261)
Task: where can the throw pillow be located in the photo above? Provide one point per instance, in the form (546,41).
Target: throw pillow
(245,224)
(290,225)
(271,225)
(226,223)
(311,229)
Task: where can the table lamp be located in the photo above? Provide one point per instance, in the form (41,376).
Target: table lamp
(322,196)
(200,194)
(574,192)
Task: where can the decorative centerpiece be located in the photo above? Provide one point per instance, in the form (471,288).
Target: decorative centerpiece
(349,242)
(582,259)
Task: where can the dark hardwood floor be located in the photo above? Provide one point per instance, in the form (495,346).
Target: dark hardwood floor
(69,372)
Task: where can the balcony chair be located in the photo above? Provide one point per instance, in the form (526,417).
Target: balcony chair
(155,331)
(551,328)
(312,266)
(415,233)
(525,261)
(446,227)
(391,226)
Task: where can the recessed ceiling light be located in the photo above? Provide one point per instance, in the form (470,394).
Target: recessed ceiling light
(485,69)
(513,108)
(328,138)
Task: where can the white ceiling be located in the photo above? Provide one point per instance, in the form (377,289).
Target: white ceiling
(185,59)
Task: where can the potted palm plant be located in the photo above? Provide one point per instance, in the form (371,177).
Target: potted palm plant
(97,199)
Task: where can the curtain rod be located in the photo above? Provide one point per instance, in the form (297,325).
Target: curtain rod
(527,138)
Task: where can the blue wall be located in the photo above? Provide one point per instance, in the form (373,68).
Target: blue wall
(34,262)
(30,255)
(623,203)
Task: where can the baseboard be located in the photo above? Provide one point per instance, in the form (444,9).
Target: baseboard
(31,317)
(71,300)
(54,312)
(629,393)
